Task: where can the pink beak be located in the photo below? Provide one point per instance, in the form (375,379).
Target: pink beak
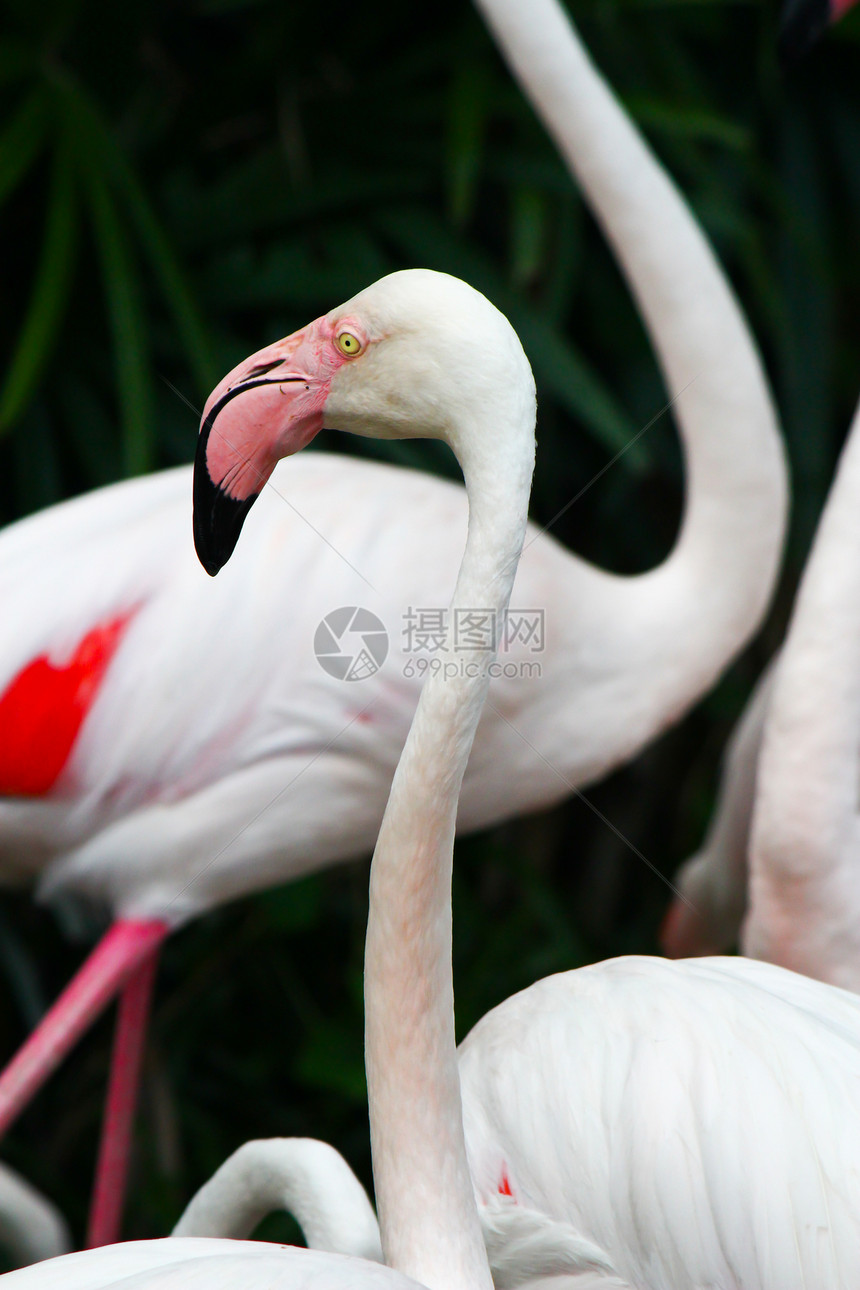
(268,407)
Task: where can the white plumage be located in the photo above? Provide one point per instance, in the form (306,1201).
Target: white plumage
(301,1176)
(690,1124)
(698,1122)
(781,862)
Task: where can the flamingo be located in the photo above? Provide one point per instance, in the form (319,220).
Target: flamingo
(31,1226)
(135,778)
(784,841)
(713,883)
(637,1122)
(417,353)
(739,1187)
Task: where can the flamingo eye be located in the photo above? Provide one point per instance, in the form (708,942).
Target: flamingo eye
(349,344)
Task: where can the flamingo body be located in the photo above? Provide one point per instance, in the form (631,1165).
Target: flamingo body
(207,1264)
(697,1122)
(780,863)
(711,1101)
(178,748)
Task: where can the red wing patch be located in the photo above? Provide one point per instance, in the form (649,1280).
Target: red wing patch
(44,706)
(505,1184)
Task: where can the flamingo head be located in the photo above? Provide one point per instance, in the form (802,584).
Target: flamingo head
(417,355)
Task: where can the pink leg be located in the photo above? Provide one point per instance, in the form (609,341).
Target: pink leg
(115,1146)
(120,951)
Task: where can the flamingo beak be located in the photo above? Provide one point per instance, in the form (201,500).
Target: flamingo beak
(268,407)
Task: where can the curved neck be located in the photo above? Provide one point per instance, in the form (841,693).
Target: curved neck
(301,1176)
(427,1212)
(809,767)
(736,501)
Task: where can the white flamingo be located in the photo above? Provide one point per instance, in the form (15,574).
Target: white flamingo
(802,924)
(783,853)
(418,353)
(630,1124)
(134,776)
(543,1118)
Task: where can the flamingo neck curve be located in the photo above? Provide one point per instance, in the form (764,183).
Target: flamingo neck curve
(663,623)
(301,1176)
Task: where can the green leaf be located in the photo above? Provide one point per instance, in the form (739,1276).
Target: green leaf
(468,112)
(50,293)
(688,122)
(128,326)
(171,278)
(21,141)
(189,321)
(91,429)
(561,286)
(36,461)
(528,234)
(17,59)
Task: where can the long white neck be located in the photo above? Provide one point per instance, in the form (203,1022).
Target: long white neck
(300,1176)
(427,1212)
(805,821)
(710,594)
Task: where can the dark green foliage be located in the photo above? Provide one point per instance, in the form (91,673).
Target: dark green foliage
(181,183)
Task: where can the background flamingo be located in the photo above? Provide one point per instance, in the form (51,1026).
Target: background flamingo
(781,854)
(158,825)
(790,819)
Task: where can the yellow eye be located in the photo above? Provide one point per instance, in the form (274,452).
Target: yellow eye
(348,344)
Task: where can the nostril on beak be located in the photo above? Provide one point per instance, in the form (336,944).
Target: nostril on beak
(262,368)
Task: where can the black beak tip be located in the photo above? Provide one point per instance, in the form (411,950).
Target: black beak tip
(218,519)
(801,24)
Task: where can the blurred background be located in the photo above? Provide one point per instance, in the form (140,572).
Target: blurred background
(182,182)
